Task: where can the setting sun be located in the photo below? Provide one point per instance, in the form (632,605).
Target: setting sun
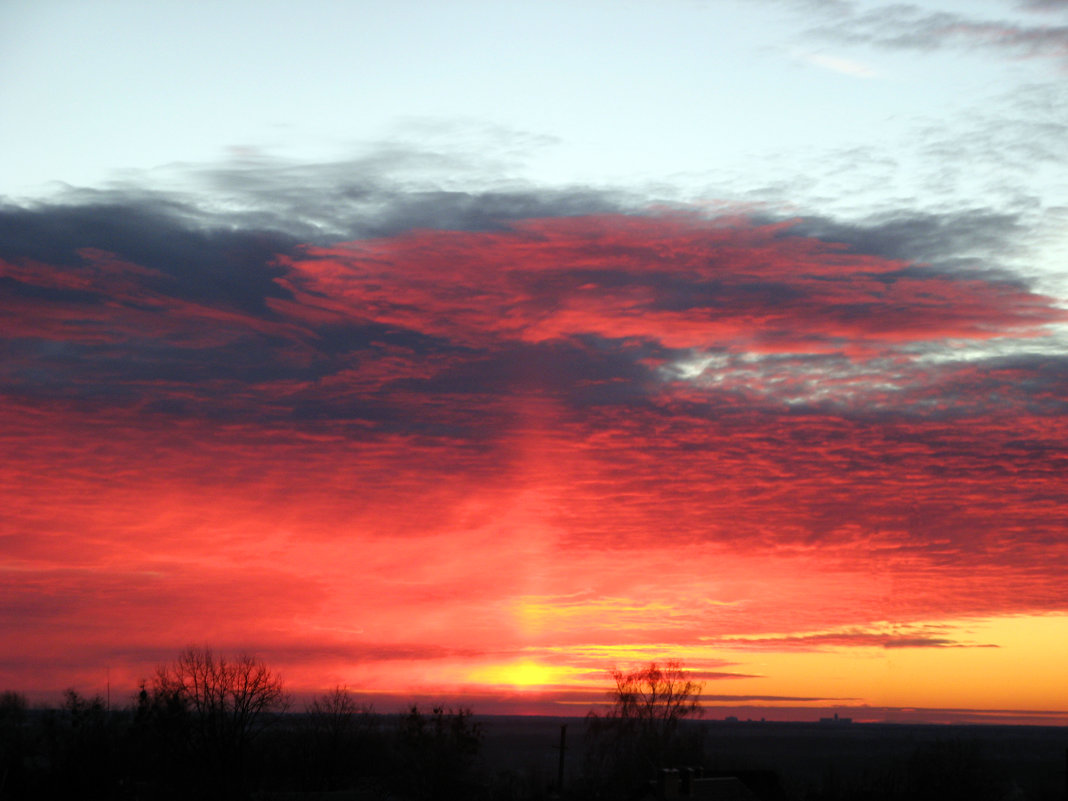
(521,675)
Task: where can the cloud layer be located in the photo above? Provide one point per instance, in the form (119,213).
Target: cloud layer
(527,423)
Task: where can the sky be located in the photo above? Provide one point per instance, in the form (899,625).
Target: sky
(469,350)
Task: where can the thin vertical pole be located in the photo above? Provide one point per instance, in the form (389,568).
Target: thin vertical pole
(560,768)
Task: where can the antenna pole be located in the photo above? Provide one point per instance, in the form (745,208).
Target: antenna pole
(560,767)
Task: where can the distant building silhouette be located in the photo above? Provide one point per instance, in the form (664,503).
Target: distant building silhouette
(836,720)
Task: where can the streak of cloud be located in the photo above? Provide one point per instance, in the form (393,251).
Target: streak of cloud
(844,66)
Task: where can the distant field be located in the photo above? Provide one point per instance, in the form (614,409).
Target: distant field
(822,758)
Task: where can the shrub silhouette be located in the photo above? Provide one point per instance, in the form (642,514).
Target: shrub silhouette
(14,749)
(438,752)
(343,740)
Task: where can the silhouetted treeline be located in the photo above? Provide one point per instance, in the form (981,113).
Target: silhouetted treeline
(153,749)
(210,727)
(339,750)
(214,728)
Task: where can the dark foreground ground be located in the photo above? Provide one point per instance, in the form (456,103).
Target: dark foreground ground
(826,761)
(85,751)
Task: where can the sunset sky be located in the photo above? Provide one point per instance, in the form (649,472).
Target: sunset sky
(466,350)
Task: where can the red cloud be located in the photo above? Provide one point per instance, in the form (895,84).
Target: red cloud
(567,435)
(680,281)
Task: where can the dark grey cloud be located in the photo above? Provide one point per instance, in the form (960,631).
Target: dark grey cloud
(183,307)
(553,368)
(973,240)
(912,27)
(1044,5)
(223,254)
(745,699)
(196,257)
(916,638)
(1035,382)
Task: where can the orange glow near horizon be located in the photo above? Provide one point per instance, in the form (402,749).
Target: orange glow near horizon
(997,664)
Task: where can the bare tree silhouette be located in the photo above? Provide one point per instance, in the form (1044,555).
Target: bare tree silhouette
(640,731)
(226,703)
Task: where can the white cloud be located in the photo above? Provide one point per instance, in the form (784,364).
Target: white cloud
(845,66)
